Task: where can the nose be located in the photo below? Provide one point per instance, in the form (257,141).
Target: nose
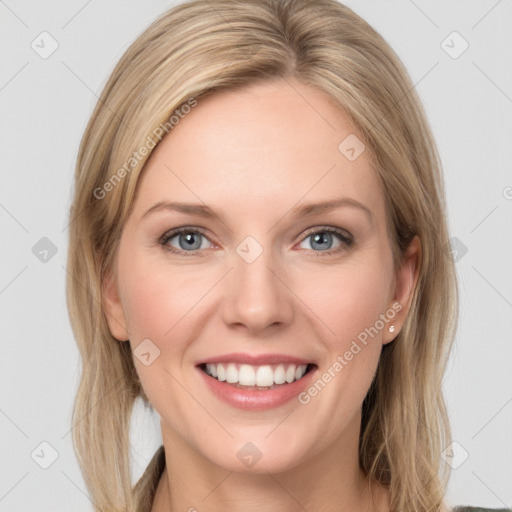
(256,294)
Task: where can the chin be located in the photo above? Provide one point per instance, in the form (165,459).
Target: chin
(255,457)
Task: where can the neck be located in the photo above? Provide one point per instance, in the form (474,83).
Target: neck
(329,481)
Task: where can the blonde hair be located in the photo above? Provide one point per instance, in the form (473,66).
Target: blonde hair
(194,50)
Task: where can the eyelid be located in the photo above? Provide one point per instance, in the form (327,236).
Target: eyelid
(164,239)
(329,229)
(347,239)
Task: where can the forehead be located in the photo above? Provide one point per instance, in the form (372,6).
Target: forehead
(266,147)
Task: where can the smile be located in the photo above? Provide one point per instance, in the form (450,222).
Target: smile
(260,377)
(256,383)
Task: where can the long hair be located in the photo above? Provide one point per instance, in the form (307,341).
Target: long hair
(191,51)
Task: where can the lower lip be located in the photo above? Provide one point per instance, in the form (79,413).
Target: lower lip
(253,399)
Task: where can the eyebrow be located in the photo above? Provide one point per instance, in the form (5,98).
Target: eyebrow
(307,210)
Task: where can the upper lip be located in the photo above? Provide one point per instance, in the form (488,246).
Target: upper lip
(255,360)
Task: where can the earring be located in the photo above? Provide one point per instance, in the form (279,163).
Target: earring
(391,328)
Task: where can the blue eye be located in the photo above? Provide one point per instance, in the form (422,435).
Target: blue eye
(323,239)
(190,241)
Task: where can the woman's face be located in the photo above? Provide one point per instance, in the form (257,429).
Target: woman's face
(260,283)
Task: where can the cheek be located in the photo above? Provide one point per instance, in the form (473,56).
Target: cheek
(347,298)
(160,306)
(157,300)
(164,303)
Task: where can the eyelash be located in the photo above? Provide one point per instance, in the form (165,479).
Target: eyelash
(346,239)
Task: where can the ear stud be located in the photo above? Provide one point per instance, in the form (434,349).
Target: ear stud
(391,328)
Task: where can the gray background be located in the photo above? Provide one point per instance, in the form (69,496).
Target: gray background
(45,104)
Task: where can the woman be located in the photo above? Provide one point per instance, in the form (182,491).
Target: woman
(231,143)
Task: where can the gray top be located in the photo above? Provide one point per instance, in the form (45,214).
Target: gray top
(479,509)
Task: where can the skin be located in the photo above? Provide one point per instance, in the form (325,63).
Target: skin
(252,155)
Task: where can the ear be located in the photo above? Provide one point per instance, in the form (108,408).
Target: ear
(113,308)
(406,279)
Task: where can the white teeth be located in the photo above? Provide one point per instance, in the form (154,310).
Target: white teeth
(290,374)
(279,375)
(263,376)
(221,373)
(246,375)
(231,374)
(212,369)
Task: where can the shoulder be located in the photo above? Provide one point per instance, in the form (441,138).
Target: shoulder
(461,508)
